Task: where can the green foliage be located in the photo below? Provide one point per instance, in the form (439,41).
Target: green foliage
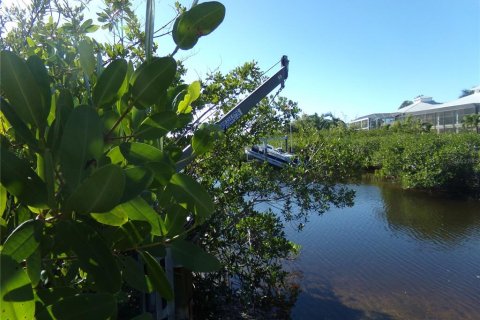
(81,143)
(433,162)
(82,306)
(471,121)
(87,58)
(243,233)
(157,276)
(23,241)
(151,79)
(201,20)
(418,160)
(100,192)
(191,94)
(324,122)
(101,132)
(193,257)
(466,92)
(109,83)
(204,138)
(16,291)
(410,125)
(20,180)
(405,103)
(85,184)
(21,89)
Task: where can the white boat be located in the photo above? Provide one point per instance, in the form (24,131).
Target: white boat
(274,156)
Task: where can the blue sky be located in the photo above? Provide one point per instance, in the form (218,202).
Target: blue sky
(348,57)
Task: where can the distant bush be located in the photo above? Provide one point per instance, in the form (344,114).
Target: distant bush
(416,159)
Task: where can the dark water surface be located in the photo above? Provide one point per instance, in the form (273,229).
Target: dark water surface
(394,255)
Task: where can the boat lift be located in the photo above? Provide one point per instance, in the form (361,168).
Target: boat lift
(276,157)
(243,107)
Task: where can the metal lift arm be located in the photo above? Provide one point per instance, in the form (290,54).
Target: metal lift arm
(243,107)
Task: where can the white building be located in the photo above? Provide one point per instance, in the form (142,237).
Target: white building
(444,117)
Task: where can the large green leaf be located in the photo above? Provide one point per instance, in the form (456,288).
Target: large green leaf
(3,200)
(113,218)
(109,118)
(205,137)
(88,26)
(144,155)
(93,254)
(138,210)
(20,180)
(82,306)
(20,128)
(133,274)
(64,106)
(163,170)
(193,257)
(24,240)
(191,194)
(98,193)
(157,276)
(184,119)
(199,21)
(18,85)
(130,235)
(175,220)
(137,180)
(87,57)
(151,78)
(138,115)
(116,156)
(157,125)
(81,144)
(172,93)
(40,74)
(49,177)
(191,95)
(137,153)
(109,83)
(49,296)
(17,301)
(34,266)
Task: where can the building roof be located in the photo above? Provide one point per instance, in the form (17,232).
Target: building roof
(470,99)
(425,104)
(377,116)
(420,107)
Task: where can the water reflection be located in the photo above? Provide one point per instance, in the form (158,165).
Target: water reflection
(425,217)
(393,255)
(324,304)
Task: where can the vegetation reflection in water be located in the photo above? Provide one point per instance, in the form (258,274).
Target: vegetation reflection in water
(442,221)
(395,255)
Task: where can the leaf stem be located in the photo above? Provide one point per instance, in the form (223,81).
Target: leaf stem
(119,120)
(123,137)
(146,246)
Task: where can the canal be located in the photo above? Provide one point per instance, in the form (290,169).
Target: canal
(393,255)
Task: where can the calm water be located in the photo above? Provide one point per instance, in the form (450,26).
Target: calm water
(394,255)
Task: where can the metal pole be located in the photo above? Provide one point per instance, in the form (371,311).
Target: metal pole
(149,28)
(242,108)
(291,137)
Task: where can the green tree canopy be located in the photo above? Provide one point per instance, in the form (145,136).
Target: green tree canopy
(404,104)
